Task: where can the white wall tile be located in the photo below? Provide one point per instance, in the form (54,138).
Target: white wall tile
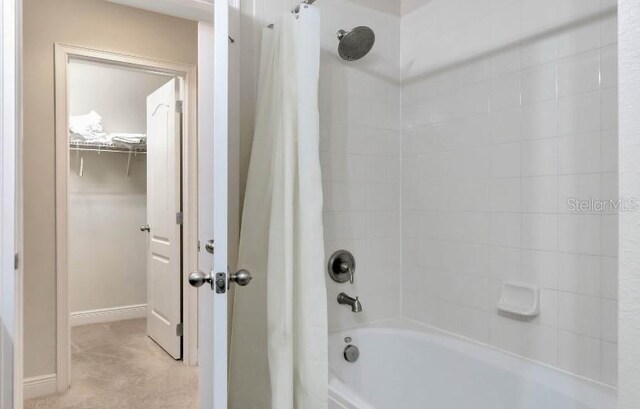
(506,125)
(580,153)
(539,51)
(580,314)
(609,108)
(505,160)
(609,66)
(579,73)
(505,92)
(580,233)
(540,268)
(508,110)
(540,157)
(610,363)
(360,128)
(579,114)
(506,229)
(583,187)
(580,354)
(540,120)
(539,194)
(540,231)
(539,83)
(610,151)
(609,268)
(610,321)
(506,195)
(580,274)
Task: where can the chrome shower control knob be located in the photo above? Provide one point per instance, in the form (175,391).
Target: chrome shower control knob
(351,353)
(342,266)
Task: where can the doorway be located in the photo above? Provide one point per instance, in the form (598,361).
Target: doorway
(171,32)
(125,216)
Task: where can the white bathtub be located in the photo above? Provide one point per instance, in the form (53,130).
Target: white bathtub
(409,369)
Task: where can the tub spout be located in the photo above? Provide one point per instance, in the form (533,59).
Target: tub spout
(356,305)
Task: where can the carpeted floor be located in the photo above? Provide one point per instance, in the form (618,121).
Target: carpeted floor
(116,366)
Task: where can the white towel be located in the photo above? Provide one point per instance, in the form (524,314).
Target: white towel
(88,126)
(128,137)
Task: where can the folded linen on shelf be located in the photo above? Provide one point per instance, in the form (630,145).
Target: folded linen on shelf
(130,138)
(87,126)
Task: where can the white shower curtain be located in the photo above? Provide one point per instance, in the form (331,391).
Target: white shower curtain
(282,233)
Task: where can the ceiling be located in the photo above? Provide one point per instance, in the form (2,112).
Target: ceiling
(396,7)
(198,10)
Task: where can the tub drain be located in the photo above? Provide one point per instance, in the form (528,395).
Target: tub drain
(351,353)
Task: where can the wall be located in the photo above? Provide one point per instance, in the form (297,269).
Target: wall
(629,382)
(510,109)
(360,149)
(88,23)
(118,94)
(107,251)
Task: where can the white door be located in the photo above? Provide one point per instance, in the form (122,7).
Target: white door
(164,218)
(10,217)
(213,277)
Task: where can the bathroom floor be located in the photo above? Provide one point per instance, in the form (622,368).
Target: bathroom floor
(115,365)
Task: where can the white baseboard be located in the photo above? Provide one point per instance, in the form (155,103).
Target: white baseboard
(40,386)
(108,314)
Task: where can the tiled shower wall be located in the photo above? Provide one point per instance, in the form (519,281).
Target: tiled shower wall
(360,155)
(509,110)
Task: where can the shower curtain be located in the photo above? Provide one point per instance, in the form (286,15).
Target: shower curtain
(282,233)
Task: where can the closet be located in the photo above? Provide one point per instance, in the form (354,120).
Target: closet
(107,199)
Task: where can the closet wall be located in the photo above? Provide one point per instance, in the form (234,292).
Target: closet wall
(107,251)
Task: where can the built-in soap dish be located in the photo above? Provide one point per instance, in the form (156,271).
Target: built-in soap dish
(519,300)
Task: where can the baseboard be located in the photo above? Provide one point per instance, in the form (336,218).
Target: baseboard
(40,386)
(108,314)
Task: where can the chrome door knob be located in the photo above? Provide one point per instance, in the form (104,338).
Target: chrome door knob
(198,278)
(210,246)
(241,277)
(145,227)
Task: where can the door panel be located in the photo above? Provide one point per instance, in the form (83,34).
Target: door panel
(163,205)
(213,101)
(220,198)
(205,210)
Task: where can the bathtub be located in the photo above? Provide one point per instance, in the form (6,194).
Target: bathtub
(403,368)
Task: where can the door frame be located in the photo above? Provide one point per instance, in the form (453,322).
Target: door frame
(189,168)
(11,301)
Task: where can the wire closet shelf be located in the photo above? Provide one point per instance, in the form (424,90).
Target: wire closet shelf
(114,147)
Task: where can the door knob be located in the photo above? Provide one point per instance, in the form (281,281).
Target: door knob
(145,227)
(198,278)
(241,277)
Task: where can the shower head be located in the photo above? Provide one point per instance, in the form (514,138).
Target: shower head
(356,43)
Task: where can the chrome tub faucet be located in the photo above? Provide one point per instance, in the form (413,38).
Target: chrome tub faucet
(356,305)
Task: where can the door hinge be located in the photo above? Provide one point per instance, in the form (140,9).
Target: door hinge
(179,218)
(16,261)
(180,330)
(179,106)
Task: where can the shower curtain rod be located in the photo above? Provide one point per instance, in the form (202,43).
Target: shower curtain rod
(296,9)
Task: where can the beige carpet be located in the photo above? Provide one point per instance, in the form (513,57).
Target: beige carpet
(116,366)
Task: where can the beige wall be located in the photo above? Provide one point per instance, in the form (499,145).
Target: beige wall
(87,23)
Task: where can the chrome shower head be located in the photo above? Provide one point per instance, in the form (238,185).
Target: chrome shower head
(356,43)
